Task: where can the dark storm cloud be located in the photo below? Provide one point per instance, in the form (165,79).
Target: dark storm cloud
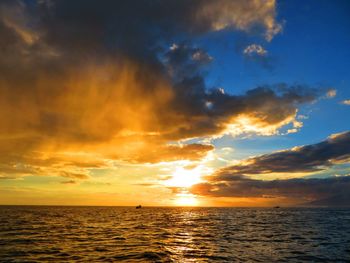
(298,188)
(233,181)
(184,61)
(303,159)
(137,26)
(211,111)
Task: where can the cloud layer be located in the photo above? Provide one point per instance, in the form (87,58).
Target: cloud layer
(300,189)
(108,80)
(235,181)
(302,159)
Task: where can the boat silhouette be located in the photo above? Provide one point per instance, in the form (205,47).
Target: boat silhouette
(138,207)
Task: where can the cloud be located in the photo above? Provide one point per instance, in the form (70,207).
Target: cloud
(299,189)
(7,177)
(237,181)
(146,20)
(243,15)
(331,93)
(184,61)
(255,49)
(69,182)
(69,165)
(258,54)
(101,79)
(174,153)
(303,159)
(74,175)
(346,102)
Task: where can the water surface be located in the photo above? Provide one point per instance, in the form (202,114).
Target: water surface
(126,234)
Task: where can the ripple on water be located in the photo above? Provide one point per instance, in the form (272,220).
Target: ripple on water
(82,234)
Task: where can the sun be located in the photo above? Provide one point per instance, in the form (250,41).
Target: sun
(184,177)
(186,199)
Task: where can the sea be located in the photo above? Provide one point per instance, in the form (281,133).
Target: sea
(173,234)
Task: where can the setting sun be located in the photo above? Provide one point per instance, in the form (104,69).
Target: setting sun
(186,199)
(183,177)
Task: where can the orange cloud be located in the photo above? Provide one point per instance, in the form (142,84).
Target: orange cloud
(86,86)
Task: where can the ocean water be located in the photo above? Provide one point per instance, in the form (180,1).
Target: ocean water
(126,234)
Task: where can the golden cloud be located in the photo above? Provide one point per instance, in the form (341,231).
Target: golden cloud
(72,84)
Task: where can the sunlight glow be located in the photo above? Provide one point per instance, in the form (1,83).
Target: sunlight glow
(186,199)
(254,124)
(183,177)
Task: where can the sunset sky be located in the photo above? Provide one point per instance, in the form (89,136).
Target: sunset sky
(179,102)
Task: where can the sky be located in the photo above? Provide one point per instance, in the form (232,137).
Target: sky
(174,103)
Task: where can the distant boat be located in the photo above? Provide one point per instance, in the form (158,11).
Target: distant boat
(276,207)
(138,207)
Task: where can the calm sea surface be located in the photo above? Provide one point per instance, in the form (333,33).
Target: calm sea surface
(114,234)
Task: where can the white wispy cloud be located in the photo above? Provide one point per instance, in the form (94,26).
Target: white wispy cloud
(255,49)
(346,102)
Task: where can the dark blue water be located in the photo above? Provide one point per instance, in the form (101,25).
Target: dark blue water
(114,234)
